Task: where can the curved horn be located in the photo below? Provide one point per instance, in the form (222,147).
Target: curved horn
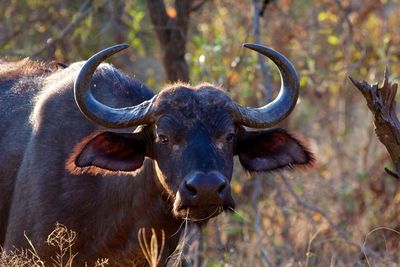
(98,112)
(281,107)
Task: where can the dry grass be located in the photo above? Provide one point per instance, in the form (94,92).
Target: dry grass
(239,238)
(60,238)
(151,251)
(20,258)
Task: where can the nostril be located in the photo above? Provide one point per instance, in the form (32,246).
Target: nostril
(221,188)
(191,189)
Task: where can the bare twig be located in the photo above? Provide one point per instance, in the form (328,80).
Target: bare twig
(309,253)
(343,234)
(264,68)
(83,12)
(281,202)
(346,13)
(197,5)
(257,223)
(313,208)
(19,29)
(370,233)
(264,7)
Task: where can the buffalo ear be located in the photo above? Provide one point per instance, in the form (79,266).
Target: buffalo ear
(271,149)
(108,151)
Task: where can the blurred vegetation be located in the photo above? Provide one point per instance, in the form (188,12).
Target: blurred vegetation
(343,212)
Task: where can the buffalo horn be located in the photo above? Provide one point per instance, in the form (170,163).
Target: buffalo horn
(281,107)
(99,113)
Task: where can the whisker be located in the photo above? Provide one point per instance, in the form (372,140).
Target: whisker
(179,252)
(180,227)
(241,215)
(217,210)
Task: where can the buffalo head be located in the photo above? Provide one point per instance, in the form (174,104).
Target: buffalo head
(192,135)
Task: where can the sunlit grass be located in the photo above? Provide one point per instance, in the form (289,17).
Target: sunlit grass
(60,238)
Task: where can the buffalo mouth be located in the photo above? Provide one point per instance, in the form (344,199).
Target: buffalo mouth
(200,214)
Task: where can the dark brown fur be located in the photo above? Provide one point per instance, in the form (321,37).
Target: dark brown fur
(26,67)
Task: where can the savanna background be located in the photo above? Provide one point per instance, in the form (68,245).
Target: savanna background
(345,211)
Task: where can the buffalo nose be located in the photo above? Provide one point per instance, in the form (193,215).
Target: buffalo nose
(194,188)
(205,189)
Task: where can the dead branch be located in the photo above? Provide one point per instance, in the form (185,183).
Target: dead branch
(381,102)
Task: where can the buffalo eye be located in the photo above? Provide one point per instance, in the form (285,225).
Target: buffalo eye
(163,139)
(230,137)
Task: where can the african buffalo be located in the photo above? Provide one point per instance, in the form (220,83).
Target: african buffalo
(58,166)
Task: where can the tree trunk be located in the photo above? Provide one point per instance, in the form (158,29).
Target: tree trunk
(172,35)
